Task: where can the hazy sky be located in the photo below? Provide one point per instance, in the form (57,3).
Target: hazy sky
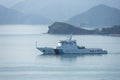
(9,3)
(113,3)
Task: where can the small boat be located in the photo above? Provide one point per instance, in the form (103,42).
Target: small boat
(70,47)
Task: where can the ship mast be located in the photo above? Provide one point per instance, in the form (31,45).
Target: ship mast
(70,37)
(36,44)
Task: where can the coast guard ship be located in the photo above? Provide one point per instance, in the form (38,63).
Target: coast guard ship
(69,47)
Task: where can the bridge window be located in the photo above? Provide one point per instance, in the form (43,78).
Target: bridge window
(43,50)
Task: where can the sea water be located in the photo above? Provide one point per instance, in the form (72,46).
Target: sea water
(20,60)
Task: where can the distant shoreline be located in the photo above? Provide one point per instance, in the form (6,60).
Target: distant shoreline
(114,35)
(117,35)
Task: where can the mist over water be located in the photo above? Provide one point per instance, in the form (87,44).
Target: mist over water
(20,60)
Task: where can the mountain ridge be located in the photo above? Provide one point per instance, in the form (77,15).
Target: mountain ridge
(11,16)
(100,15)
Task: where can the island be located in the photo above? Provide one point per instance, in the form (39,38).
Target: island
(65,28)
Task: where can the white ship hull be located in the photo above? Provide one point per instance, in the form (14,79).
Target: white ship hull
(51,51)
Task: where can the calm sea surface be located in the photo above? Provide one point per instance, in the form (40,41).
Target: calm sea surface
(20,60)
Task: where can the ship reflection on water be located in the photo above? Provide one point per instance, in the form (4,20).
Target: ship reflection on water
(69,58)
